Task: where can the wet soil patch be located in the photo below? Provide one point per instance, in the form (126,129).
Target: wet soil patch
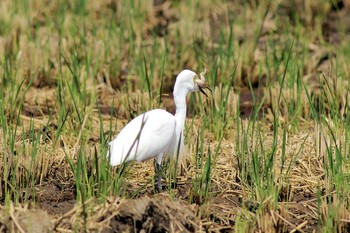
(36,111)
(55,199)
(247,98)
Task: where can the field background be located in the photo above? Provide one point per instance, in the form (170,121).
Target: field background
(268,151)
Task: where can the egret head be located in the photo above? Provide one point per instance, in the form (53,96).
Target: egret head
(188,81)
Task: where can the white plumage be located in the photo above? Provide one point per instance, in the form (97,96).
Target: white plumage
(155,137)
(156,132)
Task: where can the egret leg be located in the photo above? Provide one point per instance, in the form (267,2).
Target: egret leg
(159,173)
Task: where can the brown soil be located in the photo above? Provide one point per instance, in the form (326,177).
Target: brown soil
(145,214)
(55,200)
(160,213)
(152,214)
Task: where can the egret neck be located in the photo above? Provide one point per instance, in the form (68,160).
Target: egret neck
(180,114)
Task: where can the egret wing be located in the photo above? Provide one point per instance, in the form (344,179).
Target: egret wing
(143,138)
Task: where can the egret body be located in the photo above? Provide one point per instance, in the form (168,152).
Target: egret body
(157,132)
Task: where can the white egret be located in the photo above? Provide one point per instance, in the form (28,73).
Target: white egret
(157,132)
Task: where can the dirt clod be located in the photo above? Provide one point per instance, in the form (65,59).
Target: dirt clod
(35,221)
(152,215)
